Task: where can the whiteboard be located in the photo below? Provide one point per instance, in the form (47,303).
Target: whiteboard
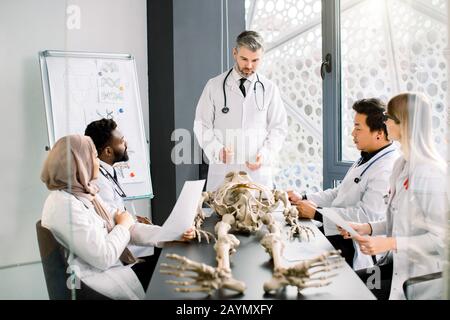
(80,87)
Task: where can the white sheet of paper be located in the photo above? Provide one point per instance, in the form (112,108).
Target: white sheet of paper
(338,220)
(297,251)
(183,213)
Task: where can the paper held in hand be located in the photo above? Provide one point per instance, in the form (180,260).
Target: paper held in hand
(338,220)
(183,213)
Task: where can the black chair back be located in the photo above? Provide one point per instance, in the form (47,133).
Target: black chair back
(55,266)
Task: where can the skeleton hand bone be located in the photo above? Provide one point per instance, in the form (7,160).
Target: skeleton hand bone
(312,273)
(204,278)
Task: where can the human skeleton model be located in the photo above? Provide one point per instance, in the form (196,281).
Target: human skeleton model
(244,206)
(247,201)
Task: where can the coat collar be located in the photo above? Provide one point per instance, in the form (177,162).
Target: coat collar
(236,77)
(107,167)
(366,156)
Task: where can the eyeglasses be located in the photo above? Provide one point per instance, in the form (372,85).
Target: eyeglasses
(387,116)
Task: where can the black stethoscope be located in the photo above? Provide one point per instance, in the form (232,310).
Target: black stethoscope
(225,109)
(117,186)
(358,179)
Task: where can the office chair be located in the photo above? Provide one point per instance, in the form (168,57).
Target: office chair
(420,279)
(55,265)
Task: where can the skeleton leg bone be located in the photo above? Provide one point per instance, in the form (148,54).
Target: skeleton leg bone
(207,278)
(298,275)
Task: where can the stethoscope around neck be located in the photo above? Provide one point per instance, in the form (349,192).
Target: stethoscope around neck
(117,187)
(225,108)
(358,179)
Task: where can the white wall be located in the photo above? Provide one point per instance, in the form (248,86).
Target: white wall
(26,27)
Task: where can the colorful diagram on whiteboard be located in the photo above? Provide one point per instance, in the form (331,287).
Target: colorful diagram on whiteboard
(86,87)
(110,85)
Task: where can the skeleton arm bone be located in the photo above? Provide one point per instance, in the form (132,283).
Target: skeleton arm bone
(200,218)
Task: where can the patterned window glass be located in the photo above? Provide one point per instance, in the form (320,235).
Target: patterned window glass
(292,33)
(398,47)
(387,46)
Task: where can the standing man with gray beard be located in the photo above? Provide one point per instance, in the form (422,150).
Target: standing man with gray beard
(240,121)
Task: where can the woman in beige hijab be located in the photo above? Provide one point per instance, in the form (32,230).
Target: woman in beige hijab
(76,215)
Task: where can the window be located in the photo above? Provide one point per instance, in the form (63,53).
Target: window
(388,47)
(379,48)
(292,31)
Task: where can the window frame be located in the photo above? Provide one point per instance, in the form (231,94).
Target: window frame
(334,168)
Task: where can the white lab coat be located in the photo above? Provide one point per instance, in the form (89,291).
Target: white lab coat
(95,252)
(113,202)
(360,202)
(417,218)
(258,128)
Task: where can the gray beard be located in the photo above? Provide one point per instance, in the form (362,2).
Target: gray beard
(239,72)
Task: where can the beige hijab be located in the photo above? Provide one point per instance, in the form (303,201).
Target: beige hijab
(70,167)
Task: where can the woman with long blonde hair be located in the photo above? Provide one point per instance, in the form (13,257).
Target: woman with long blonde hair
(412,238)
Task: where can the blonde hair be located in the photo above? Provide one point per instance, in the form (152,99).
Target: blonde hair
(398,107)
(414,111)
